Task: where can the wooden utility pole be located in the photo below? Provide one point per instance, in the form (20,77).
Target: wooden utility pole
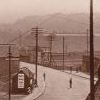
(36,31)
(36,51)
(9,72)
(9,59)
(87,43)
(91,53)
(51,39)
(63,53)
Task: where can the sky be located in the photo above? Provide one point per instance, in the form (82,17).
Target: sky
(10,10)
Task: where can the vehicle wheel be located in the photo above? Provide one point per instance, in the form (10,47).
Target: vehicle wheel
(29,90)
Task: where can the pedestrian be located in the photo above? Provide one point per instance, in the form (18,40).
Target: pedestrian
(70,82)
(44,76)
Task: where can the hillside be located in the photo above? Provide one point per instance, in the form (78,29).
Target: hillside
(62,23)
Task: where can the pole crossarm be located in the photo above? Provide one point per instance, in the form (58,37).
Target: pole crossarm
(7,44)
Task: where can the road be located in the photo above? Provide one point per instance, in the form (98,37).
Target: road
(57,86)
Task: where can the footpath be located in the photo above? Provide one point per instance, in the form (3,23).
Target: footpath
(37,91)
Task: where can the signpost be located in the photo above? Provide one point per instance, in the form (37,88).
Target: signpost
(20,80)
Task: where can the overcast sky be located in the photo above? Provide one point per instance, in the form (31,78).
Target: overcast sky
(10,10)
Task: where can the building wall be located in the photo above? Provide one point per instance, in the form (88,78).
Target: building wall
(86,64)
(4,66)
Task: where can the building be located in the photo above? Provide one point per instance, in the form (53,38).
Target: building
(86,63)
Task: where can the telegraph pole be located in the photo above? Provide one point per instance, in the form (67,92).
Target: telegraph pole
(87,43)
(9,59)
(63,52)
(36,31)
(91,53)
(36,51)
(51,39)
(9,72)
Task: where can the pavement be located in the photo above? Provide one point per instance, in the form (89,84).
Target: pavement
(37,91)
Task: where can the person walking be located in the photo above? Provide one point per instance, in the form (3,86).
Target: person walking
(70,82)
(44,75)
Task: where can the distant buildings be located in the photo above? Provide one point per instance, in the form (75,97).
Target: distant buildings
(4,65)
(71,59)
(86,63)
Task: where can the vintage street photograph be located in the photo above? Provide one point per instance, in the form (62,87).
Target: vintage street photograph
(49,49)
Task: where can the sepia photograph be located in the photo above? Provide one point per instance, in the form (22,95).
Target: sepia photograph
(49,50)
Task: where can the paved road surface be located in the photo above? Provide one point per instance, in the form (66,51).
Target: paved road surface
(57,87)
